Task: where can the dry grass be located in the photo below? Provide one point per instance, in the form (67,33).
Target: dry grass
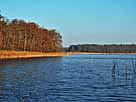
(22,54)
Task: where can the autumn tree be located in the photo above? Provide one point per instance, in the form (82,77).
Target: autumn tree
(28,36)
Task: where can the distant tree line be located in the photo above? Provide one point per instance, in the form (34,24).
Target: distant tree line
(113,48)
(20,35)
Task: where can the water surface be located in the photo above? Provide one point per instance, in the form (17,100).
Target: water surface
(78,78)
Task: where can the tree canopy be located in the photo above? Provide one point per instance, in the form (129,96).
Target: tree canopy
(28,36)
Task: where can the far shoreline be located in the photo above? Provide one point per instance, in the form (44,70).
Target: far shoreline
(24,54)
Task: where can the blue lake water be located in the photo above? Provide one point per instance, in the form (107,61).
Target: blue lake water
(78,78)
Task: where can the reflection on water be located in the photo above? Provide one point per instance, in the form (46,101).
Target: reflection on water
(79,78)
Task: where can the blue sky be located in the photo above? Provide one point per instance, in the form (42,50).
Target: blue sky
(79,21)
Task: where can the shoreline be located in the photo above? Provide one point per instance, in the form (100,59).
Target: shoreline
(25,54)
(22,54)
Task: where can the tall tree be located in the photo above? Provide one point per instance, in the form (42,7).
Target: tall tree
(28,36)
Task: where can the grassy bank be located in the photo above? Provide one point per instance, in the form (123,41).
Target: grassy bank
(25,54)
(22,54)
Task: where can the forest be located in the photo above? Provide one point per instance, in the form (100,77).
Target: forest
(19,35)
(96,48)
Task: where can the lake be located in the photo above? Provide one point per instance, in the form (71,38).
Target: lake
(77,78)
